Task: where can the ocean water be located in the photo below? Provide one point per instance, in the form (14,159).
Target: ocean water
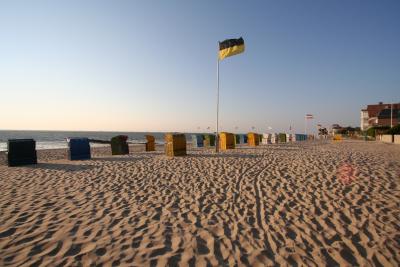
(57,139)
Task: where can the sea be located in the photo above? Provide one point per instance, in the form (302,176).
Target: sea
(57,139)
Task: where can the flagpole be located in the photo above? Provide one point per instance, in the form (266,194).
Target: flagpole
(391,115)
(305,125)
(217,133)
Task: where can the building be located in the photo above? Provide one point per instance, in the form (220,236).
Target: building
(364,120)
(379,115)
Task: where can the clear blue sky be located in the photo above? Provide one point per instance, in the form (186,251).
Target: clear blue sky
(151,65)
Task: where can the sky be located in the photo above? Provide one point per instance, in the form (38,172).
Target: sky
(152,65)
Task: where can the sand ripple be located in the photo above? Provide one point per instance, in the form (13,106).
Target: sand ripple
(316,203)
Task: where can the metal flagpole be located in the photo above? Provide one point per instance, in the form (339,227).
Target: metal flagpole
(391,115)
(217,133)
(305,125)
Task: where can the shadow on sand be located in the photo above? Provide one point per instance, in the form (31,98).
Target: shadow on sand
(225,155)
(117,159)
(61,167)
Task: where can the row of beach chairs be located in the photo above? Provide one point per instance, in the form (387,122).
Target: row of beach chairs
(229,140)
(284,138)
(23,151)
(175,144)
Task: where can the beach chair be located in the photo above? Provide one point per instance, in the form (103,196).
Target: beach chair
(288,138)
(243,138)
(209,140)
(266,139)
(197,140)
(282,138)
(269,138)
(21,152)
(226,141)
(237,139)
(119,146)
(151,143)
(253,139)
(78,148)
(175,145)
(274,138)
(337,137)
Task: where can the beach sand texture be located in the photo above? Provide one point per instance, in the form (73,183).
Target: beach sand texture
(310,203)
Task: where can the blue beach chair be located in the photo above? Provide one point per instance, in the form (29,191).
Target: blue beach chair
(197,140)
(78,148)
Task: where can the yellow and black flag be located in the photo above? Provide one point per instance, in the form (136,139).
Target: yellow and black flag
(231,47)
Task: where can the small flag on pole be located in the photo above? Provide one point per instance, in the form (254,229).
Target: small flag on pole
(309,116)
(230,47)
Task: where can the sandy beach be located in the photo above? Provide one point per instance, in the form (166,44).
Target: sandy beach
(306,204)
